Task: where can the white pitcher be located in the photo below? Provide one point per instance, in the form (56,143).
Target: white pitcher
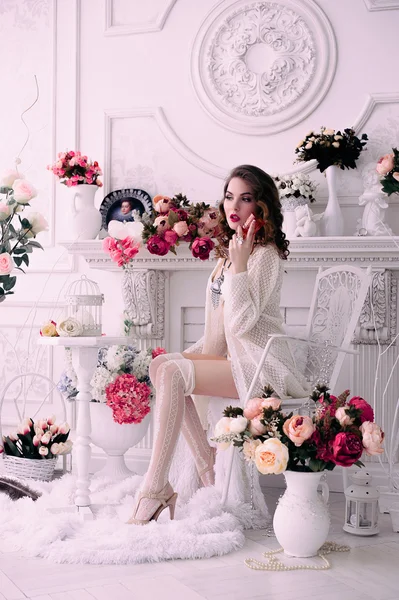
(85,218)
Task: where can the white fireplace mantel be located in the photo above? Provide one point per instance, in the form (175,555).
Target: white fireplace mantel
(305,253)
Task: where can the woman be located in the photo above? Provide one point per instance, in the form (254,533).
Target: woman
(242,310)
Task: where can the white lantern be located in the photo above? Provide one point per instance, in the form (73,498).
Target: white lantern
(361,513)
(84,303)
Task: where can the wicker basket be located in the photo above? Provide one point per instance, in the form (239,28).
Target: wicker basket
(29,468)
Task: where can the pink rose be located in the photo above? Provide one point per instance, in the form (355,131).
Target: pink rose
(361,404)
(273,403)
(162,204)
(298,429)
(171,237)
(37,224)
(9,176)
(210,218)
(23,191)
(6,263)
(157,351)
(161,223)
(5,211)
(342,416)
(202,247)
(256,427)
(253,408)
(181,228)
(346,449)
(373,438)
(385,164)
(157,245)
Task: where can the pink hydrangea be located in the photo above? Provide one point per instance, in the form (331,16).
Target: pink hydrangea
(128,398)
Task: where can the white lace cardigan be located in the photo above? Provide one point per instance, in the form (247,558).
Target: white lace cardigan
(251,312)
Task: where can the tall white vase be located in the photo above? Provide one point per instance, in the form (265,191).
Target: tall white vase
(85,218)
(302,521)
(332,222)
(288,206)
(115,439)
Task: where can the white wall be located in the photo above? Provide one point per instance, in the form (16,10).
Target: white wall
(115,82)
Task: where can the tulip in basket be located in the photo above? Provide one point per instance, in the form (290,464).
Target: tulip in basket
(32,451)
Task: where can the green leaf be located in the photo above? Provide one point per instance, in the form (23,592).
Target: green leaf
(18,260)
(172,218)
(35,244)
(1,292)
(25,259)
(9,284)
(10,448)
(20,250)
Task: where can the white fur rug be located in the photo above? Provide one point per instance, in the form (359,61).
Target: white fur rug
(201,528)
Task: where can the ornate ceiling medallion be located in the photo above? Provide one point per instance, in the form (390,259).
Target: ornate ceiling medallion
(261,67)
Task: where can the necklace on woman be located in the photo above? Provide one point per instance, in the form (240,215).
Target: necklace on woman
(216,286)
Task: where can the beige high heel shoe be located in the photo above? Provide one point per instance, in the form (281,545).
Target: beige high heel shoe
(165,498)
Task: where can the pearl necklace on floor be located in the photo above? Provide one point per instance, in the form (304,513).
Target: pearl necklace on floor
(274,564)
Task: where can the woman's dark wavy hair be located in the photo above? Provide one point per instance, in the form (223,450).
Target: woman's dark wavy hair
(268,209)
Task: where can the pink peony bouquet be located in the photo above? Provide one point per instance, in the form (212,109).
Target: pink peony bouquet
(338,433)
(175,220)
(128,398)
(388,169)
(121,251)
(74,168)
(40,439)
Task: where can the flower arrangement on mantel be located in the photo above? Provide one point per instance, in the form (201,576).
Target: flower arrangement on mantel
(36,440)
(293,188)
(338,433)
(74,168)
(17,227)
(172,221)
(388,169)
(120,380)
(330,147)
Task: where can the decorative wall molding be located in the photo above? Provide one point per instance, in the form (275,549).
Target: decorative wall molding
(373,100)
(170,135)
(305,253)
(373,5)
(261,67)
(132,28)
(377,322)
(144,298)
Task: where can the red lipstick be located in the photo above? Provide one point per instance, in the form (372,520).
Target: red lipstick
(235,218)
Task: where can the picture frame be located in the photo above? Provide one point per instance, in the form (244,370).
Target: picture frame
(119,204)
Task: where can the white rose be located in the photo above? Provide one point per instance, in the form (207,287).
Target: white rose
(5,211)
(69,327)
(37,224)
(23,191)
(9,176)
(222,426)
(238,424)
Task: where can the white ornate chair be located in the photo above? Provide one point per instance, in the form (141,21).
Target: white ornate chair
(338,299)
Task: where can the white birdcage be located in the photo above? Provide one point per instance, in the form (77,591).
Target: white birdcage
(84,304)
(361,516)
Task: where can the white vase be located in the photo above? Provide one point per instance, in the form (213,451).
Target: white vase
(302,521)
(332,222)
(85,218)
(115,439)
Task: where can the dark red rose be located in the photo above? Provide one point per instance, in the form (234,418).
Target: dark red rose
(347,448)
(367,413)
(182,214)
(202,247)
(171,237)
(157,245)
(323,448)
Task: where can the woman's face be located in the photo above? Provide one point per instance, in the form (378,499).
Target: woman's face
(125,208)
(238,202)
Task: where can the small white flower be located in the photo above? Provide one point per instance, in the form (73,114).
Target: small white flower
(238,424)
(69,327)
(335,144)
(308,145)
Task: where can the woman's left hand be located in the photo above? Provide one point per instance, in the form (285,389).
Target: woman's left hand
(240,251)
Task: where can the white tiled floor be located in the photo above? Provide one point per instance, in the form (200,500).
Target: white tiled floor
(368,572)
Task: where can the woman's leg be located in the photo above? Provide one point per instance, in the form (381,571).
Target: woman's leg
(173,383)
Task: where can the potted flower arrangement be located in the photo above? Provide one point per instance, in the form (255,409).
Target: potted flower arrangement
(302,447)
(120,409)
(17,227)
(294,190)
(75,170)
(32,451)
(331,149)
(388,169)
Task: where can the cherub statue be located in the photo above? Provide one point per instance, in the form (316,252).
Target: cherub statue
(306,222)
(375,203)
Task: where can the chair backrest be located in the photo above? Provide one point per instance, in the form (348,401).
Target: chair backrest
(337,302)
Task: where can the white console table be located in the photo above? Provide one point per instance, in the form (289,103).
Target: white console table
(84,357)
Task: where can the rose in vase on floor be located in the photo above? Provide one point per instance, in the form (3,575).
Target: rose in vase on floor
(301,447)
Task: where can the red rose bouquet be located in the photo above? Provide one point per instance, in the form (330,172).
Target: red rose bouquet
(175,220)
(338,433)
